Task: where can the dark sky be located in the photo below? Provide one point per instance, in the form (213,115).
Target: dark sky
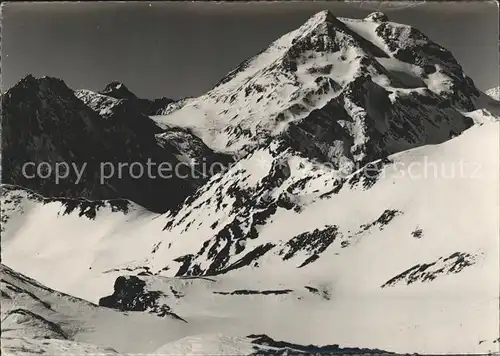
(177,49)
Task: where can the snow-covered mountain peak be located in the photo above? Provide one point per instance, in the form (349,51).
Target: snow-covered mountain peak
(278,238)
(118,90)
(356,79)
(32,88)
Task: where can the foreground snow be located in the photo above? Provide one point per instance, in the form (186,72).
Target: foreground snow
(361,83)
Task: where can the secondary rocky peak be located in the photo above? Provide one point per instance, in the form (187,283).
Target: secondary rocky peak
(30,79)
(45,121)
(322,20)
(118,90)
(375,86)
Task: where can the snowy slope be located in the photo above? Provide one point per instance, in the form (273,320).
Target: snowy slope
(419,225)
(35,317)
(489,101)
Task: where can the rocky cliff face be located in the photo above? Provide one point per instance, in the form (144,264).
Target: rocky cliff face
(357,179)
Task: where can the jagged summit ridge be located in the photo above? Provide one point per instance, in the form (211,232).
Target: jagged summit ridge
(280,234)
(321,19)
(118,90)
(296,231)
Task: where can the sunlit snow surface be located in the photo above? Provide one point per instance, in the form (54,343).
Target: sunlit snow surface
(494,93)
(264,97)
